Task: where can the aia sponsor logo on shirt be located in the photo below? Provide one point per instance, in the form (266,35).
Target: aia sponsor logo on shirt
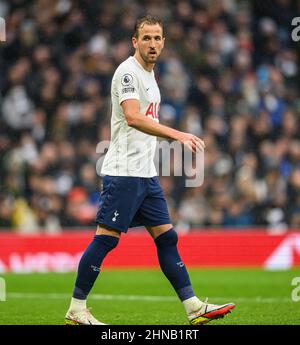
(153,110)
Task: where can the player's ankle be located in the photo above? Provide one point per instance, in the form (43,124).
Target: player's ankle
(77,304)
(192,304)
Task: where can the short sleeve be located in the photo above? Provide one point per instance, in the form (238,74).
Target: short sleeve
(127,86)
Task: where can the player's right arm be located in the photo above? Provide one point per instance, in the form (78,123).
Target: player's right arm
(134,118)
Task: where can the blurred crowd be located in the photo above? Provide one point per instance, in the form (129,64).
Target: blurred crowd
(229,73)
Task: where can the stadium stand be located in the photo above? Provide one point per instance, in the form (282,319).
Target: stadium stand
(229,73)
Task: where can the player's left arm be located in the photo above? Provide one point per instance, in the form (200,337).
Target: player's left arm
(135,119)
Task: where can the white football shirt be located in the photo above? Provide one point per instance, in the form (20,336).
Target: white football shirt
(131,152)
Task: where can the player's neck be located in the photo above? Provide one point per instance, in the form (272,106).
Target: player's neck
(147,66)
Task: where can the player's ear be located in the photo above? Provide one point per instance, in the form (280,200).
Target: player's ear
(134,42)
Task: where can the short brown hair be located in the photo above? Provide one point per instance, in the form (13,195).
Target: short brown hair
(150,20)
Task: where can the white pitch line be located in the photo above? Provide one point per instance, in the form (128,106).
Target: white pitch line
(93,296)
(254,299)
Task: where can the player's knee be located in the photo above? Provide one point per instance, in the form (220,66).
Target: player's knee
(109,242)
(167,239)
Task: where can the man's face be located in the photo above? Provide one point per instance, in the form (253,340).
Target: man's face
(149,43)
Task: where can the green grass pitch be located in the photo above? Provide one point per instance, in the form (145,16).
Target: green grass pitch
(145,297)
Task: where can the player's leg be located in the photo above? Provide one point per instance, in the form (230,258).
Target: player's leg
(155,216)
(115,213)
(166,239)
(171,264)
(198,312)
(104,241)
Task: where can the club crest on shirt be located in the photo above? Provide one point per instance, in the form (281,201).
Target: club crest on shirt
(126,79)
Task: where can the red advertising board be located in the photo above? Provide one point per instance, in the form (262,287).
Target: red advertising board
(61,252)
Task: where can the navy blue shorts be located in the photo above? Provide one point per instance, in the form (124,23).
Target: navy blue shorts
(127,202)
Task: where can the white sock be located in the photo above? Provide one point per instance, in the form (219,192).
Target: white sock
(77,304)
(192,304)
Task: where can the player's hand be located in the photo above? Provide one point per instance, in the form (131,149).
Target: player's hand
(192,142)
